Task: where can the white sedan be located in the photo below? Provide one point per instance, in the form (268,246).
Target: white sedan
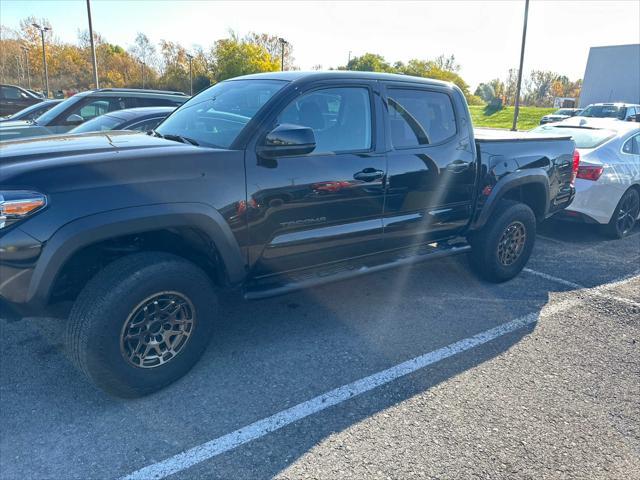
(608,179)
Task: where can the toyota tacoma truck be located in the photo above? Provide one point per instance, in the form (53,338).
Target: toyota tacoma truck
(265,183)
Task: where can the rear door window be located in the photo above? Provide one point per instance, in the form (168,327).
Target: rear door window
(419,117)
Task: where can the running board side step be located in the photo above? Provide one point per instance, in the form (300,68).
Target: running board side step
(301,279)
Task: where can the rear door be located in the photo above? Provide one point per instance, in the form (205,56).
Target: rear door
(431,165)
(325,206)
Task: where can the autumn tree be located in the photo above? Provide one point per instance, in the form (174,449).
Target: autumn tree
(272,44)
(145,53)
(233,57)
(369,62)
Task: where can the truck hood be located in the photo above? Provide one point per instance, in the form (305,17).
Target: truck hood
(33,150)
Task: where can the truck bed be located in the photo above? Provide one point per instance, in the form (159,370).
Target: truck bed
(500,135)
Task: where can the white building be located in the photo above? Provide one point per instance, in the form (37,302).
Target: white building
(612,75)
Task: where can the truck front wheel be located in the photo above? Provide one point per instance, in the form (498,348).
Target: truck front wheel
(502,248)
(141,323)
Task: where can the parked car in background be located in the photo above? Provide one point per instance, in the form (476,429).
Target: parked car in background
(32,112)
(269,183)
(621,111)
(141,119)
(608,179)
(86,106)
(14,98)
(559,115)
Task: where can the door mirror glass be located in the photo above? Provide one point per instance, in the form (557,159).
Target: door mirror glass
(287,140)
(74,119)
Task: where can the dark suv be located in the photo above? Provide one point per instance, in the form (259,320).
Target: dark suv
(86,106)
(14,98)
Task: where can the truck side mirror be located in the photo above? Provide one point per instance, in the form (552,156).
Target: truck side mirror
(287,140)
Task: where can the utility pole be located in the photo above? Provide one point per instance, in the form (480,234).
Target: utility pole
(516,109)
(26,54)
(190,57)
(93,47)
(142,72)
(283,42)
(44,59)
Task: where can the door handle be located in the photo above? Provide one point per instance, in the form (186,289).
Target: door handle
(458,166)
(368,174)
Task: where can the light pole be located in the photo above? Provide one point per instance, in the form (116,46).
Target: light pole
(142,72)
(93,47)
(190,57)
(516,108)
(283,42)
(349,60)
(44,59)
(26,55)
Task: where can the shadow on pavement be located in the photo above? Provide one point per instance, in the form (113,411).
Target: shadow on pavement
(266,356)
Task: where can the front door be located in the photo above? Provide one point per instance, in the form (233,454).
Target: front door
(431,166)
(325,206)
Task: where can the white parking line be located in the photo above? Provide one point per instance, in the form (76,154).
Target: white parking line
(593,291)
(260,428)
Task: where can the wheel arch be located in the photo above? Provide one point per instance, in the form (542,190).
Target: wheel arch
(530,186)
(91,230)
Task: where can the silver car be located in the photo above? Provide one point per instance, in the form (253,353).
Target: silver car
(608,179)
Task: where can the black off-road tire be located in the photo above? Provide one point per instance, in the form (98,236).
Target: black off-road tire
(485,255)
(627,208)
(97,320)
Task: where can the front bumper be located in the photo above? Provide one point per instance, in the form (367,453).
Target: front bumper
(19,253)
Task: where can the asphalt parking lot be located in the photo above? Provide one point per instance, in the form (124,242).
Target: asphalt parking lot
(431,373)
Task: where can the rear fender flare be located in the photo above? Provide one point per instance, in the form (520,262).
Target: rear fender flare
(507,183)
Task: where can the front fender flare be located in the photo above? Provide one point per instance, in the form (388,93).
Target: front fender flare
(101,226)
(510,181)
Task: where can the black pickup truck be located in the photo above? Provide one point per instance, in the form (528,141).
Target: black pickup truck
(267,183)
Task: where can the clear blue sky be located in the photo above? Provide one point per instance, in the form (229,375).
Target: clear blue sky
(484,36)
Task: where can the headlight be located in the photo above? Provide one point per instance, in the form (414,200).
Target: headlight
(16,205)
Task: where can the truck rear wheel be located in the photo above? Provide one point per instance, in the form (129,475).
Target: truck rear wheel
(502,248)
(141,323)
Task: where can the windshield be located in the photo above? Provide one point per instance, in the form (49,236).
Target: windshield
(584,137)
(215,117)
(563,111)
(603,111)
(49,116)
(98,124)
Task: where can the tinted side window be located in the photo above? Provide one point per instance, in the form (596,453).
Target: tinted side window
(93,109)
(340,118)
(157,102)
(11,93)
(419,117)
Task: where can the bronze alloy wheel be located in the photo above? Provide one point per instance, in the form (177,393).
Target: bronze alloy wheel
(157,330)
(512,243)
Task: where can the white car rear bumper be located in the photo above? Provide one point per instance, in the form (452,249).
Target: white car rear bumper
(597,200)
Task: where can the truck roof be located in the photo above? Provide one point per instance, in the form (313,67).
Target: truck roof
(292,76)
